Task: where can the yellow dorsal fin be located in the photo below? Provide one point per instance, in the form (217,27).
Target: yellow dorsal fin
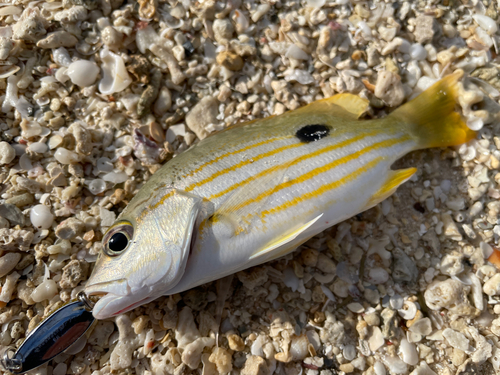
(276,244)
(390,185)
(342,105)
(351,103)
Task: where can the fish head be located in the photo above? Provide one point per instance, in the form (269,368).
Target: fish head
(144,253)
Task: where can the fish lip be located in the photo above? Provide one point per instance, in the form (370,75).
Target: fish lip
(117,287)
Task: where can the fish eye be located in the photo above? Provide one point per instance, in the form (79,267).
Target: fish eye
(117,239)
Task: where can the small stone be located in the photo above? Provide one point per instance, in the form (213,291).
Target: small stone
(326,264)
(70,228)
(57,39)
(446,294)
(112,38)
(347,368)
(422,326)
(7,153)
(389,88)
(223,30)
(255,365)
(376,340)
(222,359)
(404,269)
(372,319)
(456,339)
(458,357)
(253,278)
(202,114)
(230,60)
(310,257)
(21,200)
(235,342)
(424,29)
(8,262)
(74,272)
(408,352)
(390,325)
(12,214)
(492,286)
(356,307)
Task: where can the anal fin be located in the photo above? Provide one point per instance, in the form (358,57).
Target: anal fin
(283,240)
(392,182)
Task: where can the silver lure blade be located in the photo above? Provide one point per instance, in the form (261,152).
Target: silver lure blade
(51,337)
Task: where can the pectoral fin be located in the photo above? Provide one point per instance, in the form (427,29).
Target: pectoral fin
(392,182)
(277,244)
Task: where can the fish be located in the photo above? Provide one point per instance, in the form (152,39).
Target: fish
(256,191)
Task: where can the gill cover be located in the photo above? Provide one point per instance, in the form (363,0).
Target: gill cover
(154,259)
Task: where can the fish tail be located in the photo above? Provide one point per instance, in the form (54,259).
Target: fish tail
(431,117)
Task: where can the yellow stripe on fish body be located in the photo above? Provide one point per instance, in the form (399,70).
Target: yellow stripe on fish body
(255,192)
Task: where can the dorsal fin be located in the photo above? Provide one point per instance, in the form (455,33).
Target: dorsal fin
(342,105)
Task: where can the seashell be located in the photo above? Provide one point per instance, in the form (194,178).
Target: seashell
(82,72)
(7,71)
(299,347)
(486,23)
(10,11)
(296,52)
(115,77)
(408,311)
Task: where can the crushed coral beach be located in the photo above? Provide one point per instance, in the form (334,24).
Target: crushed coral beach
(96,94)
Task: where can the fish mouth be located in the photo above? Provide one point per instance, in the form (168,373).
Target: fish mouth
(116,297)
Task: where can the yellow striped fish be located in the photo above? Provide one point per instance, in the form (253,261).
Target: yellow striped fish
(255,192)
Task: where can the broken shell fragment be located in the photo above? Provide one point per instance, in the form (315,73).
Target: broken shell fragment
(115,77)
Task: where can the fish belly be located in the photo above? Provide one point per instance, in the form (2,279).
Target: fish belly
(287,185)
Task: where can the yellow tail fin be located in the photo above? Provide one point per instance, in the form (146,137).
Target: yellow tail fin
(431,116)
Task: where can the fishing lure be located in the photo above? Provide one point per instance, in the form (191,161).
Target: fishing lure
(247,195)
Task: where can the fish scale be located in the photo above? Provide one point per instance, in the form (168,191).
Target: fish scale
(256,191)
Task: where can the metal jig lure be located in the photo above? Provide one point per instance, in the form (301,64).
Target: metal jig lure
(51,337)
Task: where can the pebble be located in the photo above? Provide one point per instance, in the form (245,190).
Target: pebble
(486,23)
(8,262)
(389,88)
(70,228)
(456,339)
(408,352)
(12,214)
(424,29)
(44,291)
(230,60)
(376,339)
(223,30)
(73,272)
(58,39)
(492,286)
(255,365)
(82,72)
(222,360)
(41,217)
(65,156)
(7,153)
(422,327)
(202,114)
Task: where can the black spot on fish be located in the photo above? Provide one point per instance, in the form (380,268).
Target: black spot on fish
(312,133)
